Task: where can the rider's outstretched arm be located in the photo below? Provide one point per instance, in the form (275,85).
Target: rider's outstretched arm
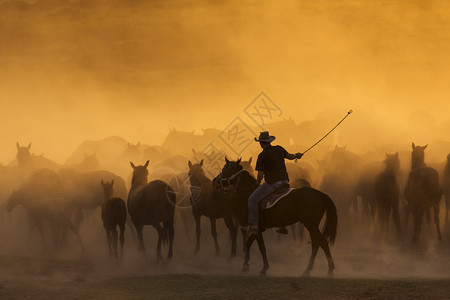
(294,156)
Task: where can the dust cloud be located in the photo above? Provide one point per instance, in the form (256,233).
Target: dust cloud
(82,78)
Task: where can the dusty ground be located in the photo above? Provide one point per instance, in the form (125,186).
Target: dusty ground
(192,286)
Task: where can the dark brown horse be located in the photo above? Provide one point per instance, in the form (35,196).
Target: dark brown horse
(306,205)
(422,190)
(206,201)
(386,192)
(114,213)
(151,203)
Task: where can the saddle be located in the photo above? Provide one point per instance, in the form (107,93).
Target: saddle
(273,198)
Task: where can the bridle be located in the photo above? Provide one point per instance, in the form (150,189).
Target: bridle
(228,186)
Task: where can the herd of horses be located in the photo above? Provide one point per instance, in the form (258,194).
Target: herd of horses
(61,197)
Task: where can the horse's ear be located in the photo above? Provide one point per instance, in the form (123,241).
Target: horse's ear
(146,164)
(112,182)
(226,160)
(201,163)
(413,146)
(387,155)
(189,164)
(250,159)
(425,147)
(239,160)
(29,146)
(17,145)
(193,151)
(102,183)
(132,165)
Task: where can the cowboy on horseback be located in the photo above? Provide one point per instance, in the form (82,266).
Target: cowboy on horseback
(270,166)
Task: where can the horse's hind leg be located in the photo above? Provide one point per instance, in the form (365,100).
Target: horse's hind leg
(233,234)
(122,238)
(418,215)
(326,248)
(161,233)
(262,249)
(436,221)
(139,228)
(171,231)
(109,241)
(315,240)
(214,234)
(396,218)
(115,238)
(197,232)
(248,245)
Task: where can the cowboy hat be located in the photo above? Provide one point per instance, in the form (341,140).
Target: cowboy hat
(265,137)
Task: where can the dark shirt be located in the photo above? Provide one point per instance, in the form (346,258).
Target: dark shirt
(271,162)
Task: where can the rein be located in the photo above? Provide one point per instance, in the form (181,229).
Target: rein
(231,187)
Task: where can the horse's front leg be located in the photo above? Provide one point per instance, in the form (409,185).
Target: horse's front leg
(233,234)
(247,246)
(214,234)
(262,249)
(197,232)
(436,221)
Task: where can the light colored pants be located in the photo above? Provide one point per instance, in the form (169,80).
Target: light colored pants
(262,191)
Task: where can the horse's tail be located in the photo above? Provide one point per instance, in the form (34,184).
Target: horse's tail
(165,236)
(329,230)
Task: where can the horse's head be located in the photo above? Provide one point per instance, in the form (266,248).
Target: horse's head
(23,154)
(14,199)
(90,162)
(223,181)
(418,156)
(392,162)
(108,189)
(196,173)
(140,174)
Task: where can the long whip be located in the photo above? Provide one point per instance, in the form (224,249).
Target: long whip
(348,113)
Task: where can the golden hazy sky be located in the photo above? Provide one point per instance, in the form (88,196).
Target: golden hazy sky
(76,72)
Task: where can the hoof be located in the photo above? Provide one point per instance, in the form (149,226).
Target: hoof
(245,268)
(306,273)
(330,273)
(231,257)
(263,272)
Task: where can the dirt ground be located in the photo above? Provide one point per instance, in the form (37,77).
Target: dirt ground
(191,286)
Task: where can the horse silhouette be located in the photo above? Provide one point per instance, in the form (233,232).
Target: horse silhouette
(387,193)
(114,213)
(422,190)
(206,201)
(151,203)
